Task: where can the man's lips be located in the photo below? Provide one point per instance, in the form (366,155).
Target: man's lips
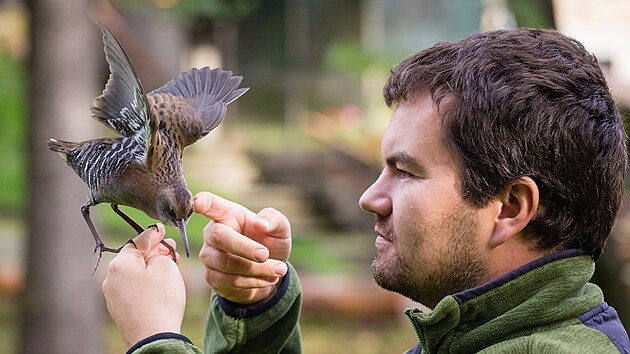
(379,232)
(381,235)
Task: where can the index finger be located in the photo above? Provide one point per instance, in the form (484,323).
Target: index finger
(222,210)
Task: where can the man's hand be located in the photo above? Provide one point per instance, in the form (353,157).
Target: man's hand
(144,289)
(244,253)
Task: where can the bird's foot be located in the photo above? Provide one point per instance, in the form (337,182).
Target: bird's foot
(100,248)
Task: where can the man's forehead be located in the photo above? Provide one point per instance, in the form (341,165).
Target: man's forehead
(416,130)
(412,119)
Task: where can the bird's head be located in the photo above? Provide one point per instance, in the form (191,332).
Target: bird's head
(174,208)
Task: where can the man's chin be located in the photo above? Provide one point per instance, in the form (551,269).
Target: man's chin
(384,272)
(390,275)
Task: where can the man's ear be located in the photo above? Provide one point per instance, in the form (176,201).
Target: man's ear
(518,205)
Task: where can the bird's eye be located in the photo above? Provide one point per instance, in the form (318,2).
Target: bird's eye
(171,212)
(189,214)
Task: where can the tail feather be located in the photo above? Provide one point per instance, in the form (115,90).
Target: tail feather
(64,148)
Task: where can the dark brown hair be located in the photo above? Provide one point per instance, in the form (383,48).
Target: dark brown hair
(528,102)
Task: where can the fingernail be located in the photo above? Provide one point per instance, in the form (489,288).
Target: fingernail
(261,255)
(281,269)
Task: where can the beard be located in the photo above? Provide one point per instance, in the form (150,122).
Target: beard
(427,280)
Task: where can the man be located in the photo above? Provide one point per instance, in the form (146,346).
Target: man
(504,166)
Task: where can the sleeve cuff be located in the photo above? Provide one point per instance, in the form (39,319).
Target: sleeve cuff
(156,337)
(239,311)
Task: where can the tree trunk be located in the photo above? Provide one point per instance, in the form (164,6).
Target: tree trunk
(62,307)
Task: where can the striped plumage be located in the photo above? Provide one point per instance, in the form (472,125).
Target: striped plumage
(142,167)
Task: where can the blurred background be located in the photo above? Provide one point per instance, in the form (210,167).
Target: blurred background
(304,139)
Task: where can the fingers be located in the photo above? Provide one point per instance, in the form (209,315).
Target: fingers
(227,239)
(230,283)
(227,263)
(240,280)
(244,253)
(147,240)
(273,223)
(163,262)
(237,267)
(149,243)
(163,250)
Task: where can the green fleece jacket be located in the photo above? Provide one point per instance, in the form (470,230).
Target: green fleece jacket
(546,306)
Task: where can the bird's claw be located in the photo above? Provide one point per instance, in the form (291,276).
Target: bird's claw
(100,248)
(131,242)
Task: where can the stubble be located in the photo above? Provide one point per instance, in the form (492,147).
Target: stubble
(427,278)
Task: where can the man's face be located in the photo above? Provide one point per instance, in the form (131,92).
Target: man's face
(429,240)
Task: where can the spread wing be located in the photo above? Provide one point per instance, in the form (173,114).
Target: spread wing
(123,105)
(205,91)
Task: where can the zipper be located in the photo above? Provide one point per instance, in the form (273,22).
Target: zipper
(409,313)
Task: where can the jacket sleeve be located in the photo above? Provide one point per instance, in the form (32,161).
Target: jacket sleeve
(270,328)
(164,343)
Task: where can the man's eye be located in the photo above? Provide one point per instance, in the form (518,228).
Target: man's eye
(403,173)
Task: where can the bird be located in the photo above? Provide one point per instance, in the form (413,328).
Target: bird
(142,166)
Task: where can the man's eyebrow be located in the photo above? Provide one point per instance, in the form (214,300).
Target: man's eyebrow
(401,158)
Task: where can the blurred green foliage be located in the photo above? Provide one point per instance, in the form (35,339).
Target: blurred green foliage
(532,13)
(12,133)
(348,57)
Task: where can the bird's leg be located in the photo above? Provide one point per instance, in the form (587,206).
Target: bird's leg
(128,219)
(139,229)
(100,246)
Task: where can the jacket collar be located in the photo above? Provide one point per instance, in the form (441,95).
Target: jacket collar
(511,304)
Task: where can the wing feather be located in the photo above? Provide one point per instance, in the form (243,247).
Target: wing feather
(123,105)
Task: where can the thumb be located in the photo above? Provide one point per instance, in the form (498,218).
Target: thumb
(149,239)
(221,210)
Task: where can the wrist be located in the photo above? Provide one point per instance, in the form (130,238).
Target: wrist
(149,329)
(264,295)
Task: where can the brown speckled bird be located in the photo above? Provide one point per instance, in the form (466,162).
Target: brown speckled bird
(142,168)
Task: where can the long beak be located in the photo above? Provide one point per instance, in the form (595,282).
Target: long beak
(181,225)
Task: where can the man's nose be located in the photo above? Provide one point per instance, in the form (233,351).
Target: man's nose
(375,199)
